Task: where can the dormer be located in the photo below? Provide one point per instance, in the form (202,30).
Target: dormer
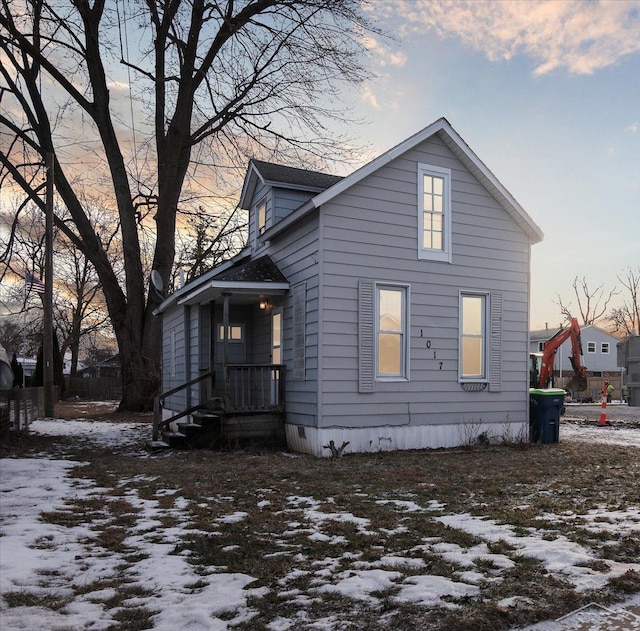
(271,192)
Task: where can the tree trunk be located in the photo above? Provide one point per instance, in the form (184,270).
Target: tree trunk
(140,365)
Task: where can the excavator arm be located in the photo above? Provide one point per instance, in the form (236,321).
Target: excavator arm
(579,379)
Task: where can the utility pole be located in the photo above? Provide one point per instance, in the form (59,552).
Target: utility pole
(47,300)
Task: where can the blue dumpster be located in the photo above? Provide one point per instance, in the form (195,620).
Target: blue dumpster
(544,414)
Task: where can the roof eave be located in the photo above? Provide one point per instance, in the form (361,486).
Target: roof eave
(216,288)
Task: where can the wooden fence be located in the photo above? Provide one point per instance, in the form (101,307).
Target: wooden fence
(96,388)
(18,407)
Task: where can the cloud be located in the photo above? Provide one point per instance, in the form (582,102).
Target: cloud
(580,36)
(633,128)
(384,55)
(369,97)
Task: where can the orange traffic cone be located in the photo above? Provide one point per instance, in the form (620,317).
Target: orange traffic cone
(603,414)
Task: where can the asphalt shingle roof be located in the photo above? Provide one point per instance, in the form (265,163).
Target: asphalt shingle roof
(262,270)
(277,173)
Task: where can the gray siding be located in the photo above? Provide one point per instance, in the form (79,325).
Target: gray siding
(287,200)
(297,256)
(173,358)
(370,232)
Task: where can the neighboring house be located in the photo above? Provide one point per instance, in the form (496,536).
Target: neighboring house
(397,300)
(109,367)
(66,365)
(599,353)
(28,368)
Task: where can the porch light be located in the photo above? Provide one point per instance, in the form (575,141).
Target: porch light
(264,303)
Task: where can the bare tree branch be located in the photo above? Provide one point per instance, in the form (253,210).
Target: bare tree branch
(592,304)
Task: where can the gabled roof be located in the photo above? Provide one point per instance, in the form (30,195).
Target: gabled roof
(262,270)
(443,129)
(259,276)
(279,175)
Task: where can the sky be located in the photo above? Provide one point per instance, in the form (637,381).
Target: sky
(64,561)
(547,94)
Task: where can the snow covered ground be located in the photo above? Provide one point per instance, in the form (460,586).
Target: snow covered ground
(43,560)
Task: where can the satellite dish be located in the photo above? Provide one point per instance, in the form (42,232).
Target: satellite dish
(156,280)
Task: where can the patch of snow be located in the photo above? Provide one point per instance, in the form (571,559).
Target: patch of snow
(430,591)
(51,561)
(360,584)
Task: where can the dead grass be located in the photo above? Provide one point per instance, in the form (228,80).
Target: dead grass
(511,485)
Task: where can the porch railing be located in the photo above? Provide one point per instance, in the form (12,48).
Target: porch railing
(252,388)
(248,389)
(158,404)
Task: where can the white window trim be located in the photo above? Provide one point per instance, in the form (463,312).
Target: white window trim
(405,359)
(602,347)
(485,337)
(427,253)
(260,230)
(591,349)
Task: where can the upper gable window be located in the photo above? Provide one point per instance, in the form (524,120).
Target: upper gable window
(261,216)
(604,348)
(434,213)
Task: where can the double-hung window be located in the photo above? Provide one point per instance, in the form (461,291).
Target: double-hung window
(261,216)
(391,332)
(434,213)
(473,336)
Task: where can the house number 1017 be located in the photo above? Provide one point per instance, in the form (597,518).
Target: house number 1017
(435,354)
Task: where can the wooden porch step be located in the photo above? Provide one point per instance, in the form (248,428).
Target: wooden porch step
(174,439)
(206,418)
(187,426)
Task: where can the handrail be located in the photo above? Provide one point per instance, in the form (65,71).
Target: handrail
(158,403)
(168,393)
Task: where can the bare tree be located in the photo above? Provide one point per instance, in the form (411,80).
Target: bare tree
(78,306)
(626,319)
(211,239)
(207,83)
(592,303)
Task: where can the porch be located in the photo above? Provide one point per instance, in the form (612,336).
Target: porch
(251,408)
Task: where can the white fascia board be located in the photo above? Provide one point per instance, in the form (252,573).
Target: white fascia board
(248,185)
(235,287)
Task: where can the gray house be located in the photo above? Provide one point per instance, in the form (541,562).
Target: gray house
(388,308)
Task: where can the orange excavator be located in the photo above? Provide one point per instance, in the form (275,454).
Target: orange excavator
(541,364)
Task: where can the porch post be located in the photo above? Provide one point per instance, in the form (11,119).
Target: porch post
(225,326)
